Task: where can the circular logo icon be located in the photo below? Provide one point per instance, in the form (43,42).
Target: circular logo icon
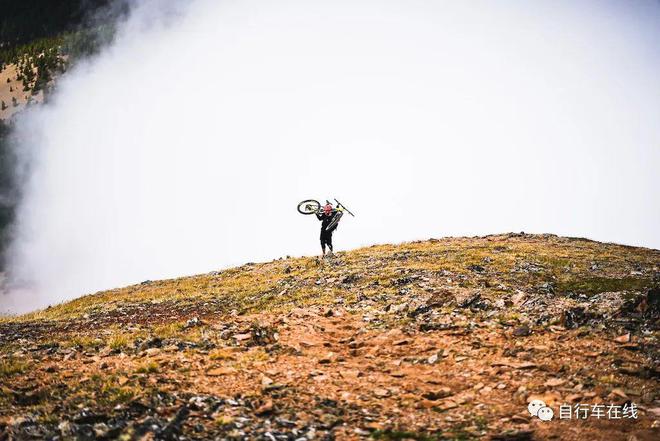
(534,407)
(545,414)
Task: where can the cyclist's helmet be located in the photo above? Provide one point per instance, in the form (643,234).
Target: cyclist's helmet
(327,208)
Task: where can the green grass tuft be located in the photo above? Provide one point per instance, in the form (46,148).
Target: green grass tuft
(11,367)
(596,285)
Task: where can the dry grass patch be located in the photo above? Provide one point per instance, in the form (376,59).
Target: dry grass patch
(119,342)
(12,366)
(148,367)
(168,330)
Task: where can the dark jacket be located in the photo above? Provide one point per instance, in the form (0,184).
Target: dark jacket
(325,220)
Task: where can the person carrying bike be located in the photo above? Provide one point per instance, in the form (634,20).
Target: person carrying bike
(328,226)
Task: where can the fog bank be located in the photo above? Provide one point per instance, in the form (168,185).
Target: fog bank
(186,145)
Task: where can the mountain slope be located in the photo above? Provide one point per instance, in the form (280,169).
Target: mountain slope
(441,339)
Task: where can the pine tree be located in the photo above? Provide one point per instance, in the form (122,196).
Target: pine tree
(3,106)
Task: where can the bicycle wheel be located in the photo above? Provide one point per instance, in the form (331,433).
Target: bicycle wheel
(309,206)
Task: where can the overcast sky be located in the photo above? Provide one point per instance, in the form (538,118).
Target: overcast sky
(186,145)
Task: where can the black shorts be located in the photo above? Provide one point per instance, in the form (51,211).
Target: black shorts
(326,237)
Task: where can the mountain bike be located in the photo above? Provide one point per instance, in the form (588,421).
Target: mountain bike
(312,206)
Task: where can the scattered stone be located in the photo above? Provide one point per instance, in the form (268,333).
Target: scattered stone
(381,392)
(242,337)
(193,322)
(655,411)
(467,299)
(447,405)
(573,398)
(265,408)
(547,288)
(522,331)
(514,435)
(524,365)
(518,298)
(101,430)
(86,416)
(216,372)
(554,382)
(617,392)
(625,338)
(67,428)
(350,374)
(476,268)
(574,318)
(437,394)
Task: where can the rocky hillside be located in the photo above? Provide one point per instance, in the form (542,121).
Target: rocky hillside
(441,339)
